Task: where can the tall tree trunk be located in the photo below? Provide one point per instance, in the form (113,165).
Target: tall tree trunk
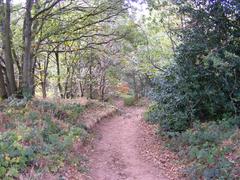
(91,74)
(91,81)
(3,92)
(34,58)
(136,93)
(66,83)
(19,68)
(81,88)
(3,67)
(44,89)
(7,49)
(27,60)
(58,75)
(43,75)
(71,81)
(80,80)
(103,85)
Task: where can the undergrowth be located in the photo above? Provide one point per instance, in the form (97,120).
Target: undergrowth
(129,100)
(210,150)
(203,149)
(40,135)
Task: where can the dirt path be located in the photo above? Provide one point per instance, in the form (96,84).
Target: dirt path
(115,154)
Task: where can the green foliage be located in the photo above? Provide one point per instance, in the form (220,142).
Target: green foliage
(203,93)
(71,111)
(33,116)
(128,100)
(197,100)
(14,157)
(40,136)
(152,115)
(55,162)
(202,84)
(65,112)
(50,131)
(27,93)
(202,145)
(78,132)
(45,106)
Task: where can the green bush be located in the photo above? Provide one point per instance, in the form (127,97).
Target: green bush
(14,157)
(72,111)
(51,131)
(38,137)
(202,145)
(203,82)
(45,106)
(56,161)
(33,116)
(128,100)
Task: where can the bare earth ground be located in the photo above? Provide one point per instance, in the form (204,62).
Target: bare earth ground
(119,149)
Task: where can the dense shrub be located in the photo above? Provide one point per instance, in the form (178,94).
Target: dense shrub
(71,112)
(45,106)
(68,112)
(40,132)
(205,93)
(203,146)
(50,131)
(197,98)
(128,100)
(203,83)
(14,157)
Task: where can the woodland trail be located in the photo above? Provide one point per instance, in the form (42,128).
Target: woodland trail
(115,153)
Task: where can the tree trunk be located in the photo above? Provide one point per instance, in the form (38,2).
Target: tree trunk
(81,88)
(65,95)
(19,68)
(27,60)
(91,74)
(3,92)
(43,75)
(103,86)
(135,86)
(71,81)
(6,39)
(58,75)
(91,82)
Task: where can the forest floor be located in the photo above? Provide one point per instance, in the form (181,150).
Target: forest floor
(126,147)
(82,139)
